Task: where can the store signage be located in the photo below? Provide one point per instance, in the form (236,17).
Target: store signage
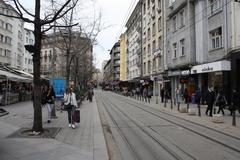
(207,69)
(212,67)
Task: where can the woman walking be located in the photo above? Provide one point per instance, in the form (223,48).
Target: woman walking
(49,102)
(71,103)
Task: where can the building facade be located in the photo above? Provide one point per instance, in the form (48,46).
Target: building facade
(134,45)
(115,62)
(27,57)
(123,57)
(11,38)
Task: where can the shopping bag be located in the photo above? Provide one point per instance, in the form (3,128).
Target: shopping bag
(76,116)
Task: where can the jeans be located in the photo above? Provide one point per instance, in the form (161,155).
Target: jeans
(70,115)
(49,108)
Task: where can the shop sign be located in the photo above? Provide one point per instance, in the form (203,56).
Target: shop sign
(185,72)
(174,73)
(212,67)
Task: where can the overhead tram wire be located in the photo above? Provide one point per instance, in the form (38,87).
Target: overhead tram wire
(129,11)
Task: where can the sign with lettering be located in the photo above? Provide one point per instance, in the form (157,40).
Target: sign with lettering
(212,67)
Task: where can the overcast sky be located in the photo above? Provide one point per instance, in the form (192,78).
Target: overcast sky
(114,13)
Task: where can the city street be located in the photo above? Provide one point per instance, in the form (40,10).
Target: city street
(149,131)
(85,142)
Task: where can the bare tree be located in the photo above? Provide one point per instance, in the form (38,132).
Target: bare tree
(75,41)
(38,23)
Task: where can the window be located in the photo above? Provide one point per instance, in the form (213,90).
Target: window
(148,3)
(214,6)
(149,67)
(182,45)
(9,27)
(144,22)
(175,50)
(148,33)
(159,24)
(149,49)
(216,38)
(154,46)
(181,18)
(144,51)
(1,52)
(144,8)
(159,4)
(144,68)
(174,23)
(1,38)
(153,12)
(8,40)
(159,62)
(160,42)
(153,29)
(7,53)
(1,23)
(154,64)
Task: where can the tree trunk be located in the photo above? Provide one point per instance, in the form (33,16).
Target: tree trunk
(67,68)
(37,121)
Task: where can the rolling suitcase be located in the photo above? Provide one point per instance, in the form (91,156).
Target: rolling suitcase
(76,116)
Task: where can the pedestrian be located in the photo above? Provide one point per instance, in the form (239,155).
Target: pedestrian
(177,95)
(137,92)
(162,94)
(198,96)
(71,103)
(149,94)
(185,95)
(221,101)
(210,100)
(90,94)
(235,102)
(145,94)
(49,102)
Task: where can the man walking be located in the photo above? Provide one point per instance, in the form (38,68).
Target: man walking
(210,100)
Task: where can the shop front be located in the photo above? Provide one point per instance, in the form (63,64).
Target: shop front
(215,74)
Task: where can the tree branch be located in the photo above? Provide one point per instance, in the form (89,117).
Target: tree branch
(58,14)
(25,10)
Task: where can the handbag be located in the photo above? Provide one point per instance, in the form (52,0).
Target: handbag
(76,116)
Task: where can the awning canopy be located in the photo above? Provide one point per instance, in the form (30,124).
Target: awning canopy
(14,77)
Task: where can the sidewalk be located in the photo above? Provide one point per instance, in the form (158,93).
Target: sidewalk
(86,142)
(205,120)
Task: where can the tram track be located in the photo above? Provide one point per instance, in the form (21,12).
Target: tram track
(225,141)
(169,150)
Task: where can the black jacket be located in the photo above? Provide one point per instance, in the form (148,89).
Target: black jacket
(210,97)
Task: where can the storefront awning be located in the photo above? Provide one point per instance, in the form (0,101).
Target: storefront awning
(14,77)
(212,67)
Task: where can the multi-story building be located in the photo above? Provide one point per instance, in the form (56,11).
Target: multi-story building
(217,44)
(115,61)
(134,44)
(27,57)
(11,37)
(54,50)
(123,57)
(180,42)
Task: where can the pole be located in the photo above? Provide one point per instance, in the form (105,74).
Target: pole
(199,109)
(171,103)
(53,113)
(156,91)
